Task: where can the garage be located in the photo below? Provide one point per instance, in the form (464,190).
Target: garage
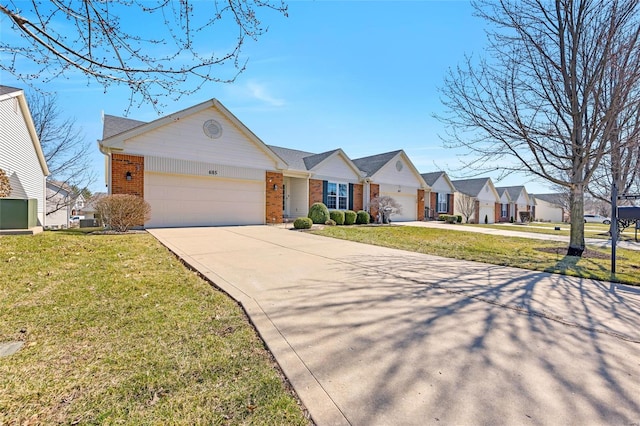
(408,203)
(487,210)
(180,200)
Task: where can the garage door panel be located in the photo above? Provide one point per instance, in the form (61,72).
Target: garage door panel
(408,204)
(203,201)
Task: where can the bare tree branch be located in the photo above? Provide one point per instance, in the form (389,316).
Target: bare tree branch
(157,48)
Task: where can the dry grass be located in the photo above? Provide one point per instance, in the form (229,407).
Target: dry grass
(523,253)
(117,330)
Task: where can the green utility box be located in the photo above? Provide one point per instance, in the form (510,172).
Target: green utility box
(18,213)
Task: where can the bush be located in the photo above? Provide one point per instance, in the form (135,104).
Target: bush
(486,219)
(318,213)
(122,212)
(511,220)
(442,217)
(302,223)
(5,185)
(350,217)
(459,220)
(362,217)
(330,222)
(337,216)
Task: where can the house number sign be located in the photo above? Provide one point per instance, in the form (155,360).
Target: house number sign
(213,172)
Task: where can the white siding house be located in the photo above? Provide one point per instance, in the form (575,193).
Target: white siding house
(21,155)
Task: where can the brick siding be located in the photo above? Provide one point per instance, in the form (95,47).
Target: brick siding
(273,208)
(122,164)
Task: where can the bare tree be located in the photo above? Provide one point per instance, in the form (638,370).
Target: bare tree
(537,104)
(386,207)
(156,48)
(466,205)
(67,152)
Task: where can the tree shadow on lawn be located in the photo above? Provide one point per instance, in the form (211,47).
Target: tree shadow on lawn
(404,337)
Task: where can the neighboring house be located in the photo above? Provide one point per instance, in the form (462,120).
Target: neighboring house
(89,209)
(59,201)
(21,155)
(329,177)
(481,195)
(394,175)
(442,198)
(518,200)
(549,207)
(203,167)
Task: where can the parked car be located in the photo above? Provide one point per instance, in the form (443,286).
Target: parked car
(75,220)
(596,218)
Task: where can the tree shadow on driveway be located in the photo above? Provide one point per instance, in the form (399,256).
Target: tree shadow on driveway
(417,339)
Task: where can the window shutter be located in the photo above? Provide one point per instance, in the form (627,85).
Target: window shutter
(448,203)
(325,185)
(350,196)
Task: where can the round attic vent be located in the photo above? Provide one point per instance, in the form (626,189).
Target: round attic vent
(212,128)
(399,165)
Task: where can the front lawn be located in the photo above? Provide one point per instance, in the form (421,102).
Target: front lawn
(524,253)
(118,331)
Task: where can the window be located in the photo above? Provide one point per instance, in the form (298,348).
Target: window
(442,203)
(504,212)
(337,196)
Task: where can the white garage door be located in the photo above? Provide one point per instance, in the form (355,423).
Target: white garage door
(409,206)
(488,211)
(202,201)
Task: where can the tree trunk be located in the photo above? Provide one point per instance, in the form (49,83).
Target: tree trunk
(576,215)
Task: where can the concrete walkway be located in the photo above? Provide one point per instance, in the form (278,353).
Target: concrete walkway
(597,242)
(375,336)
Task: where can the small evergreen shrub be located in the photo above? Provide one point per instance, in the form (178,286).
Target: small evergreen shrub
(511,220)
(459,220)
(442,217)
(486,219)
(302,223)
(337,216)
(362,217)
(350,217)
(330,222)
(318,213)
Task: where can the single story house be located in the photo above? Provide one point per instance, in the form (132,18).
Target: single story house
(513,200)
(203,167)
(478,199)
(21,155)
(441,200)
(550,207)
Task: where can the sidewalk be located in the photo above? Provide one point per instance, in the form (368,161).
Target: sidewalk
(597,242)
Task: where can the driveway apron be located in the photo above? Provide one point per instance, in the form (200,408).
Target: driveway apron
(375,336)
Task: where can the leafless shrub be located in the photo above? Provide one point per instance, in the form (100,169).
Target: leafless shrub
(5,186)
(121,212)
(386,207)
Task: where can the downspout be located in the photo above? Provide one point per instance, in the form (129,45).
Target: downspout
(107,176)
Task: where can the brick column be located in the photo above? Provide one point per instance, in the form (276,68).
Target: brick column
(358,191)
(433,205)
(498,213)
(476,207)
(374,192)
(123,165)
(315,191)
(273,207)
(420,214)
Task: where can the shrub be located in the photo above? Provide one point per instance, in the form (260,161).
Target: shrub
(362,217)
(5,185)
(449,218)
(330,222)
(350,217)
(337,216)
(459,220)
(122,212)
(486,219)
(302,223)
(442,217)
(511,220)
(318,213)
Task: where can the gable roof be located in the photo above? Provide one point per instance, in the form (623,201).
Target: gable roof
(7,92)
(512,191)
(307,161)
(113,125)
(553,198)
(471,187)
(132,131)
(431,178)
(370,165)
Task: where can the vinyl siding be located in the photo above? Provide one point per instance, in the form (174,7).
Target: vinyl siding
(184,139)
(18,156)
(336,170)
(440,186)
(390,175)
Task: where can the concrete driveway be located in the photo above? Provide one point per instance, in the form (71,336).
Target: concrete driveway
(376,336)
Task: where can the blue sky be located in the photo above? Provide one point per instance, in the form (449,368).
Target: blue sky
(358,75)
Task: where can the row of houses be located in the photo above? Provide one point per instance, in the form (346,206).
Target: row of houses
(203,167)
